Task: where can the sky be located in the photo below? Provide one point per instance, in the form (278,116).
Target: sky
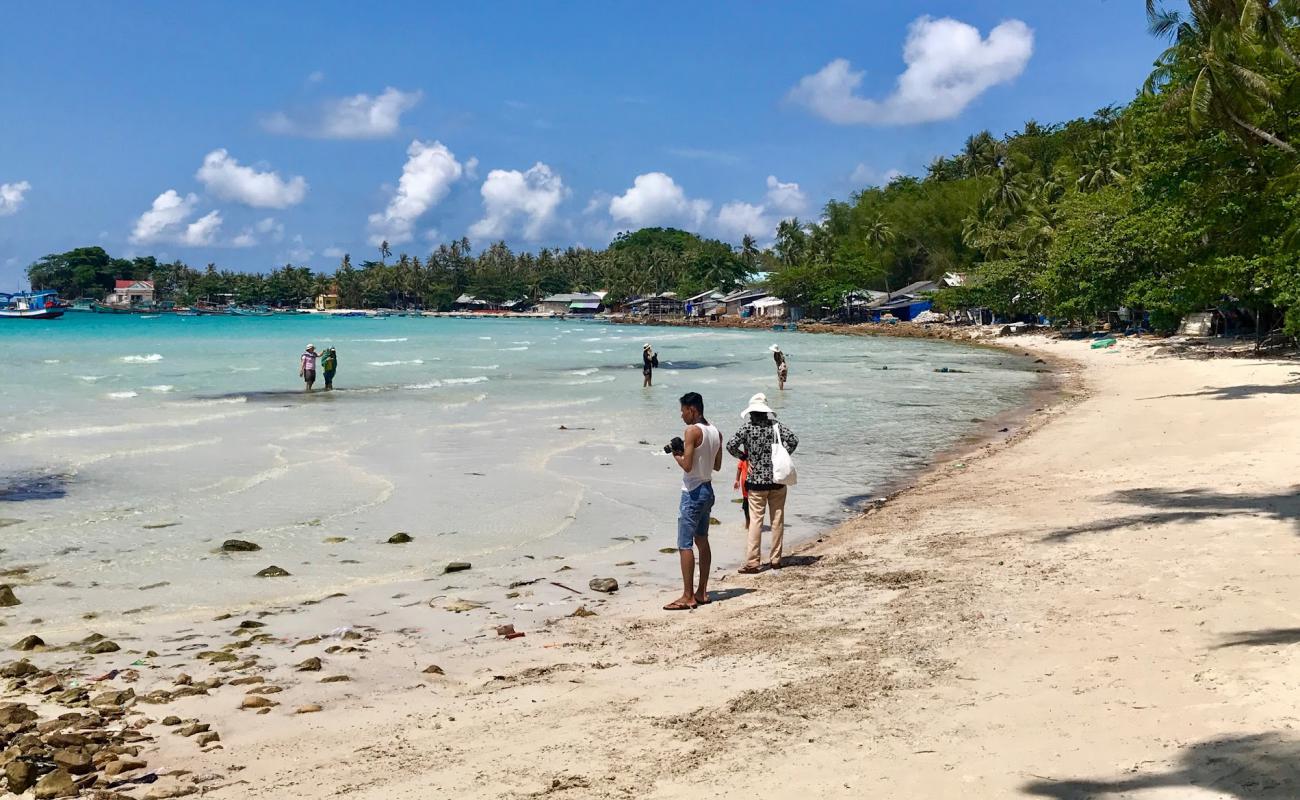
(258,134)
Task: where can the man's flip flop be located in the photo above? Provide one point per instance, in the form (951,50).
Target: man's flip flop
(749,570)
(679,606)
(703,602)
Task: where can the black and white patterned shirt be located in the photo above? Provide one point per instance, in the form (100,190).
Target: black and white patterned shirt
(755,443)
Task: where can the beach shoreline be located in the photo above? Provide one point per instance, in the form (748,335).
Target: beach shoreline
(879,662)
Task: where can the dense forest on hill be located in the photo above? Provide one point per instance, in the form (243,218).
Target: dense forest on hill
(1186,198)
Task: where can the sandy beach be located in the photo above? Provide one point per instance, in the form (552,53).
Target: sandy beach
(1098,603)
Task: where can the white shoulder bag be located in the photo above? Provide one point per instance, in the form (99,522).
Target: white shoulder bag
(783,471)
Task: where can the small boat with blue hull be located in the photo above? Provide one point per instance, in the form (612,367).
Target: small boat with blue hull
(31,305)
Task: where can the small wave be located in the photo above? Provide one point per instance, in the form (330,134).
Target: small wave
(586,401)
(521,343)
(216,401)
(594,339)
(478,398)
(438,384)
(92,378)
(395,363)
(244,369)
(514,348)
(485,366)
(485,338)
(149,359)
(162,387)
(605,379)
(384,341)
(582,372)
(123,395)
(51,361)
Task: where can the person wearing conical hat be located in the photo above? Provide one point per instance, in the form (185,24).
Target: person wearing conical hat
(782,368)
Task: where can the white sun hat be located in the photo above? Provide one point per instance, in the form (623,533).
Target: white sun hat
(757,403)
(776,348)
(645,346)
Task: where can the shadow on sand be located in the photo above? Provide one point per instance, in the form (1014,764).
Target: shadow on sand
(1268,637)
(1240,392)
(1167,505)
(729,594)
(1264,766)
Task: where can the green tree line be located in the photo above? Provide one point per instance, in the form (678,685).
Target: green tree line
(648,261)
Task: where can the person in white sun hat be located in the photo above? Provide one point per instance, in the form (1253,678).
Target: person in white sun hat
(782,368)
(767,490)
(307,366)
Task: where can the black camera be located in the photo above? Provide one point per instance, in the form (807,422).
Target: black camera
(675,446)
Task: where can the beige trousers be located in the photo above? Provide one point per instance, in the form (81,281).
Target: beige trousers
(773,502)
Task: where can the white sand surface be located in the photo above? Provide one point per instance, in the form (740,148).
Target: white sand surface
(1104,603)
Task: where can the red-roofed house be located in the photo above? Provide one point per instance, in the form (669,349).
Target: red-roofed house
(131,293)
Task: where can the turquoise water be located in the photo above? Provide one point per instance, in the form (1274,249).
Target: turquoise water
(131,447)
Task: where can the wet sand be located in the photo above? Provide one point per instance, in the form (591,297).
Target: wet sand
(1100,603)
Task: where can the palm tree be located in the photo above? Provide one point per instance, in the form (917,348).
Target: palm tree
(384,252)
(1099,168)
(749,253)
(1212,65)
(880,234)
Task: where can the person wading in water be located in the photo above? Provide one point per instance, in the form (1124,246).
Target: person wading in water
(329,362)
(649,361)
(307,366)
(782,367)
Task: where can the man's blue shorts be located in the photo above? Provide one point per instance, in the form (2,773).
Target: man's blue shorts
(693,515)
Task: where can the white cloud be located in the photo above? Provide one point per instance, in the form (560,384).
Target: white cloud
(736,219)
(785,198)
(655,199)
(360,116)
(948,66)
(427,177)
(866,176)
(12,196)
(228,179)
(333,252)
(269,228)
(202,231)
(527,200)
(300,252)
(164,218)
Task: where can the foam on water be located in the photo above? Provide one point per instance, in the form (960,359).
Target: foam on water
(149,359)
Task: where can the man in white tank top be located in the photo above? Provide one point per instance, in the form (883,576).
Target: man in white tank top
(699,456)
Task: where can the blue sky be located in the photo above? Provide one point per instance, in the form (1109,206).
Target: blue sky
(254,134)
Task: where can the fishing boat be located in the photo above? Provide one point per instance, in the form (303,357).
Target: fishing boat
(254,311)
(31,305)
(105,308)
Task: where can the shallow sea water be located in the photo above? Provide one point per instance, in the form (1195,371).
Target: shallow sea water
(130,448)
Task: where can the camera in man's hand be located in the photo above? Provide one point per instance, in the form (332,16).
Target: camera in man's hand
(676,446)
